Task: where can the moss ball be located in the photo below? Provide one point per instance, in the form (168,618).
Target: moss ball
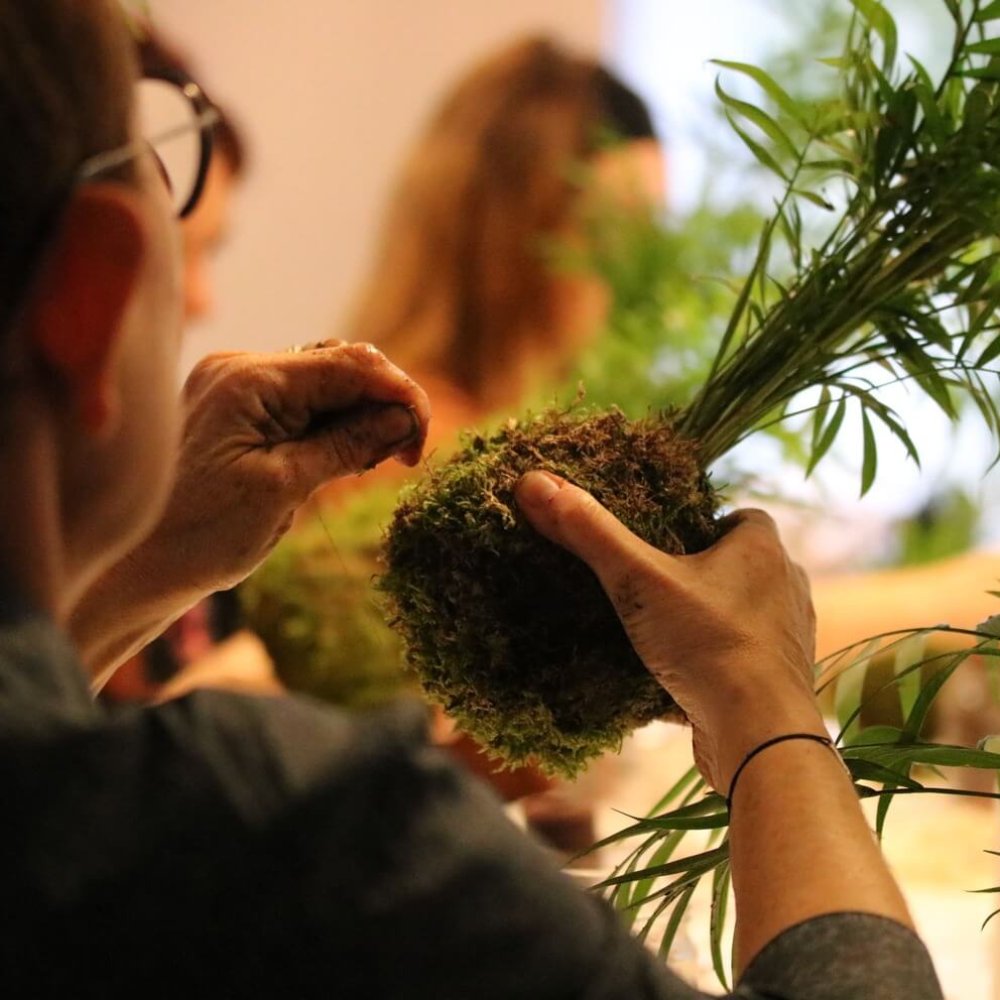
(313,606)
(511,634)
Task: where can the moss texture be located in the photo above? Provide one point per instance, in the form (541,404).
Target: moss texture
(314,608)
(512,635)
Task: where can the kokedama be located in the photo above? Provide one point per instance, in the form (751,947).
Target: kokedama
(514,638)
(512,634)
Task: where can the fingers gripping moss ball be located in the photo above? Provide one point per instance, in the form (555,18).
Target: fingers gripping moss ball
(512,635)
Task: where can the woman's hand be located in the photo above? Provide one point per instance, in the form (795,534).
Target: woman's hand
(262,432)
(729,632)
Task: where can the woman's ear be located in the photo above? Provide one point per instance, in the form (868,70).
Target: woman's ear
(80,307)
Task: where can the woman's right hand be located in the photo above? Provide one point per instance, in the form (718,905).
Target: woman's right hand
(729,632)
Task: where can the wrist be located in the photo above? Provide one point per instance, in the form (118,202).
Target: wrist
(775,741)
(747,724)
(129,604)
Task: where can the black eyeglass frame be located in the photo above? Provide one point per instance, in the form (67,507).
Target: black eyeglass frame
(95,166)
(206,116)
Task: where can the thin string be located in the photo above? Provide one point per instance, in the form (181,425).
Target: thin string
(814,737)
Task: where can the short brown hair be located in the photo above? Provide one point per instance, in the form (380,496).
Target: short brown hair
(66,74)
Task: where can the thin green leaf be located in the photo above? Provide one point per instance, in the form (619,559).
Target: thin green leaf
(909,654)
(901,755)
(869,770)
(869,461)
(717,923)
(820,416)
(670,822)
(816,199)
(739,307)
(990,353)
(901,434)
(935,122)
(759,152)
(676,916)
(987,47)
(834,165)
(706,860)
(828,435)
(699,866)
(760,118)
(989,73)
(635,892)
(928,692)
(885,803)
(774,90)
(881,21)
(850,686)
(876,735)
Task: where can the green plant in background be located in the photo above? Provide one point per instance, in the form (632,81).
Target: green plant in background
(901,287)
(313,606)
(667,305)
(945,526)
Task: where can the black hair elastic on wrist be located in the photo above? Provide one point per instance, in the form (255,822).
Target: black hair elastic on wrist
(825,740)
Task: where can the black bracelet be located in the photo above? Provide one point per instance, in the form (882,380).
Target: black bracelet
(770,743)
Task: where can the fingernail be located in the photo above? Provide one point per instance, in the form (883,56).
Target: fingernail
(539,486)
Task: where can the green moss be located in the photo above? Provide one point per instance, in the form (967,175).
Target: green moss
(313,606)
(510,633)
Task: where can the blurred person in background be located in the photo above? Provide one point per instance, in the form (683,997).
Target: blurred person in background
(463,287)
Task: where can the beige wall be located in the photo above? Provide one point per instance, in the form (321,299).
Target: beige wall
(329,92)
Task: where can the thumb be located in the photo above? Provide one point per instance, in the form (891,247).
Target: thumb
(572,518)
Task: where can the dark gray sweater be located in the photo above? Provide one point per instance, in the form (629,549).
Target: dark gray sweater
(230,846)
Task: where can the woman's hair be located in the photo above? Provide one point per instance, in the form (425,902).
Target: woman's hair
(460,285)
(66,73)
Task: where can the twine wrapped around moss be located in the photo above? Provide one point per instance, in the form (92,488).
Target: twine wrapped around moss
(512,635)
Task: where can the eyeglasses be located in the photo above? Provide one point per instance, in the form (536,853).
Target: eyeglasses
(175,120)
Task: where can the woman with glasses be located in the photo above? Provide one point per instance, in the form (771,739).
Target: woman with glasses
(225,845)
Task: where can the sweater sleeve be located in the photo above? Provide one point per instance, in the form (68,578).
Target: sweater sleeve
(844,955)
(447,896)
(379,868)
